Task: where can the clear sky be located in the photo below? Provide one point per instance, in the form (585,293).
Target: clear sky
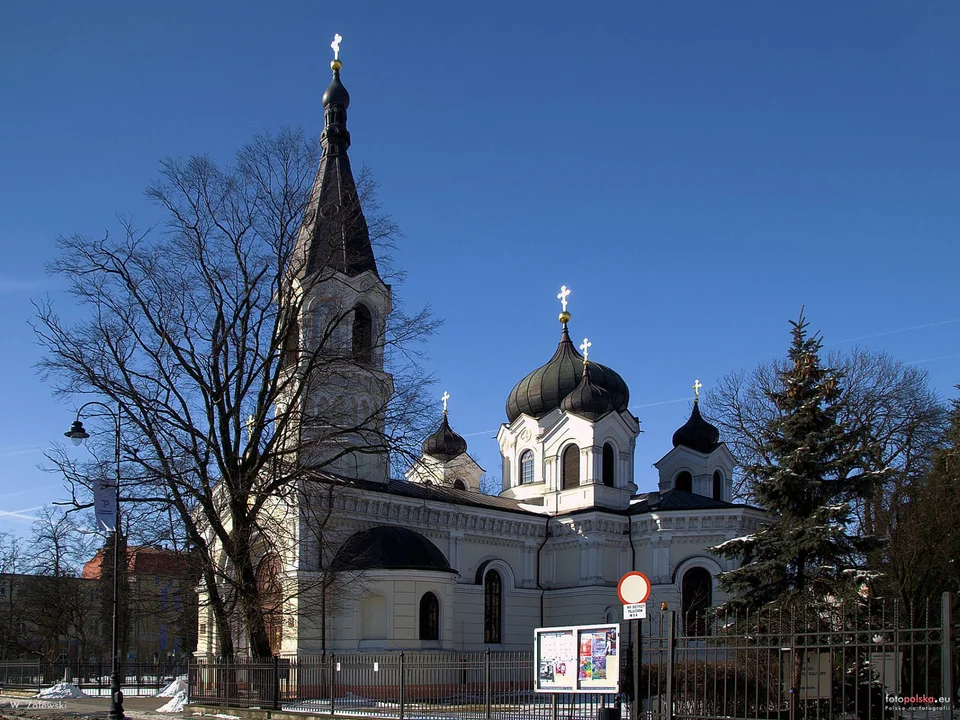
(694,172)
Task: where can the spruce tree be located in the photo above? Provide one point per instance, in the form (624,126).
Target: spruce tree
(810,549)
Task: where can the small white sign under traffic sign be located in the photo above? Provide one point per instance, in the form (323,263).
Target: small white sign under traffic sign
(635,611)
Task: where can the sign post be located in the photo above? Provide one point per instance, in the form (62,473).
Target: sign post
(634,589)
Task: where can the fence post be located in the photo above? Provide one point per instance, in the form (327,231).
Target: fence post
(276,682)
(331,682)
(401,685)
(668,699)
(486,681)
(946,649)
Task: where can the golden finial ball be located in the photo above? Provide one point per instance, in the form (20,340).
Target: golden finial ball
(564,317)
(335,65)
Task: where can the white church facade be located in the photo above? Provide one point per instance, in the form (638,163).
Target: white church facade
(428,561)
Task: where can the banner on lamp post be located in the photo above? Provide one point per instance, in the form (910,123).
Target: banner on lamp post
(105,504)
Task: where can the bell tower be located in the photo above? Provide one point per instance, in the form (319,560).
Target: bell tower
(343,314)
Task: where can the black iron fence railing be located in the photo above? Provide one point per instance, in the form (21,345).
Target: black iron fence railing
(864,660)
(90,678)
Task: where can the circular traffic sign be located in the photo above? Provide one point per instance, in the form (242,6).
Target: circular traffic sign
(634,587)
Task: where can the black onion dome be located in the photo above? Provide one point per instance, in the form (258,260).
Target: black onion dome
(588,400)
(697,434)
(545,388)
(390,548)
(336,93)
(444,444)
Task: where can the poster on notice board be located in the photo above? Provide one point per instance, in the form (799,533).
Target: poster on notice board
(580,658)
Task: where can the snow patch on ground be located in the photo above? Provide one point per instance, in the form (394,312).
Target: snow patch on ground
(62,690)
(175,704)
(171,690)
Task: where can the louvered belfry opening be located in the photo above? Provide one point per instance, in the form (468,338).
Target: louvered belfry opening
(571,467)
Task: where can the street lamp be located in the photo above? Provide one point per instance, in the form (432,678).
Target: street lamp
(77,435)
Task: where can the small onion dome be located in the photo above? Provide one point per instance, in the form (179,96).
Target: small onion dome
(697,434)
(390,548)
(336,94)
(444,444)
(588,400)
(545,388)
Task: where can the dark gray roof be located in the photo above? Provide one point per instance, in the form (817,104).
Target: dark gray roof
(678,500)
(389,547)
(436,493)
(545,388)
(696,433)
(335,233)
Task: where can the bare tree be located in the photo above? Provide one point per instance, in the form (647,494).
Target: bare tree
(195,334)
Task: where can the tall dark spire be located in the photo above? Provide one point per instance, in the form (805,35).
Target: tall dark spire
(334,233)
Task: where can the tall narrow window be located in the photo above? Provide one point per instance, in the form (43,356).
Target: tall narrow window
(571,467)
(362,335)
(684,482)
(696,595)
(608,464)
(291,346)
(717,485)
(429,617)
(271,600)
(492,607)
(526,467)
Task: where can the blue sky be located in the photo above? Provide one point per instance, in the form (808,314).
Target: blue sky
(694,172)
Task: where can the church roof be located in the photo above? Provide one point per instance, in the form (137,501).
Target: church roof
(444,444)
(697,434)
(389,547)
(437,493)
(545,388)
(588,399)
(674,499)
(334,233)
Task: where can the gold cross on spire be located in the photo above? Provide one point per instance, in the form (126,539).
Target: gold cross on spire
(585,346)
(445,397)
(696,390)
(251,424)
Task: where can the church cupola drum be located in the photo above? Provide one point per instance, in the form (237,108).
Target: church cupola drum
(344,310)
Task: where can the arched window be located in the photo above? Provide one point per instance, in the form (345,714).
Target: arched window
(696,595)
(271,599)
(291,346)
(458,485)
(717,485)
(373,618)
(684,482)
(608,464)
(571,467)
(492,607)
(362,335)
(526,467)
(429,617)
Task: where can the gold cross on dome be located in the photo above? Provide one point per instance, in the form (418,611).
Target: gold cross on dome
(696,389)
(445,397)
(251,424)
(585,346)
(336,46)
(562,297)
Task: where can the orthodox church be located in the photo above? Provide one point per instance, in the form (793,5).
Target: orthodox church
(430,562)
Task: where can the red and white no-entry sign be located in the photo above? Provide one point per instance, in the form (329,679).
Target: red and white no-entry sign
(634,587)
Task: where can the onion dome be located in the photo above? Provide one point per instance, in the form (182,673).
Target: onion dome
(444,444)
(588,400)
(545,388)
(697,434)
(390,548)
(336,93)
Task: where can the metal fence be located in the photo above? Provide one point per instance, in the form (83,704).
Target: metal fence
(864,660)
(91,678)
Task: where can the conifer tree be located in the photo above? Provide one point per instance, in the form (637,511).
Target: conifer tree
(810,549)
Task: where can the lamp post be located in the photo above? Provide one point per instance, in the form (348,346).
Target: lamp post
(77,434)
